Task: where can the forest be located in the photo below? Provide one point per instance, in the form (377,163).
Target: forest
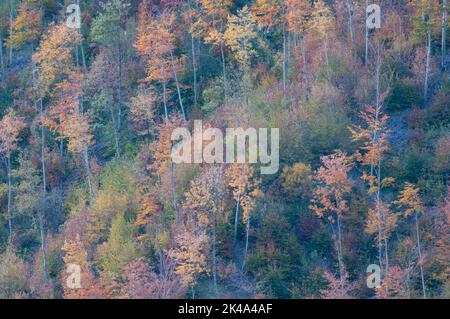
(93,206)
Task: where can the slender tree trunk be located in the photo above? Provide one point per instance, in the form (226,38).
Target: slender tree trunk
(246,84)
(284,60)
(419,249)
(378,199)
(8,164)
(214,260)
(386,254)
(427,70)
(88,169)
(177,84)
(236,218)
(166,112)
(350,23)
(327,60)
(174,193)
(11,18)
(43,243)
(444,34)
(194,60)
(247,231)
(305,63)
(2,59)
(41,211)
(340,259)
(224,71)
(116,133)
(366,55)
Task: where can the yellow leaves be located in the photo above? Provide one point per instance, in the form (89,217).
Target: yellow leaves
(322,18)
(190,255)
(297,179)
(155,42)
(65,116)
(148,210)
(26,26)
(298,15)
(240,33)
(381,220)
(245,186)
(409,200)
(54,56)
(268,13)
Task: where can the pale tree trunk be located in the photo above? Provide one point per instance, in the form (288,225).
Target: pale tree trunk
(10,30)
(350,22)
(340,257)
(444,34)
(366,55)
(166,112)
(88,169)
(177,84)
(419,250)
(83,56)
(8,164)
(116,133)
(43,243)
(236,218)
(174,192)
(246,84)
(380,246)
(119,98)
(327,60)
(427,70)
(41,216)
(214,258)
(247,231)
(375,140)
(305,65)
(194,60)
(284,60)
(2,59)
(224,71)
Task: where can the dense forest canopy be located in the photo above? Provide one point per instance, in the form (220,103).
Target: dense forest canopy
(93,205)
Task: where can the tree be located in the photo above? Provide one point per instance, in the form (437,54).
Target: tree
(109,30)
(190,253)
(337,289)
(333,185)
(205,200)
(270,14)
(444,35)
(27,25)
(68,120)
(411,203)
(143,112)
(245,189)
(13,283)
(425,19)
(239,36)
(210,23)
(120,249)
(298,17)
(393,285)
(322,20)
(374,136)
(10,129)
(140,282)
(75,258)
(156,43)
